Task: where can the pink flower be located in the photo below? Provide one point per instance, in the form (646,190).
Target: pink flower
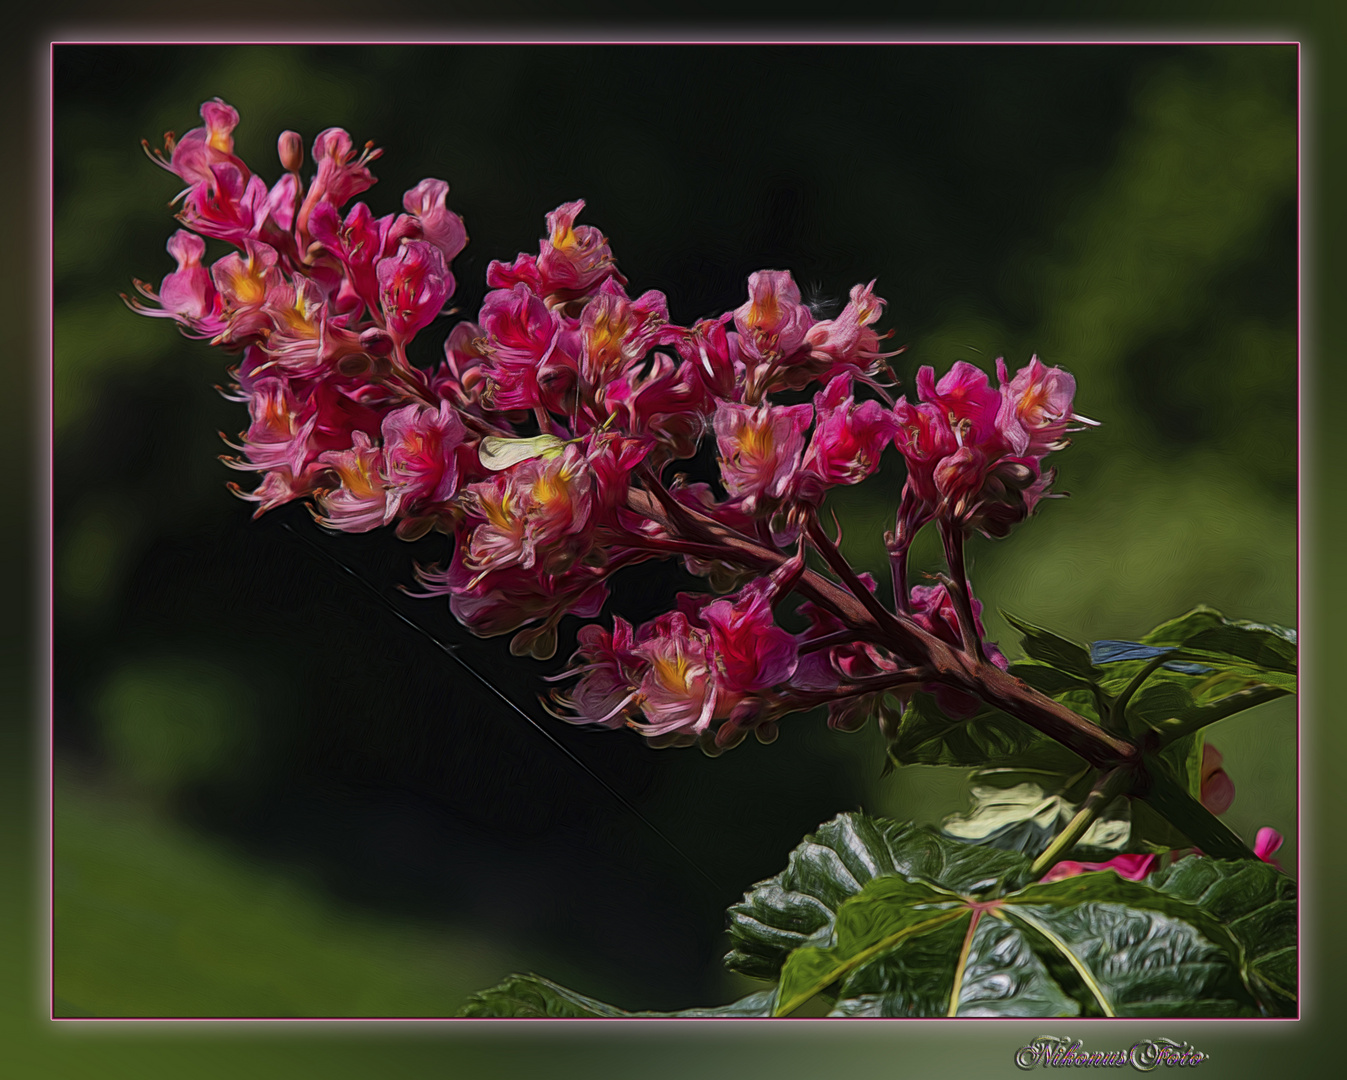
(419,454)
(359,243)
(616,331)
(278,487)
(933,610)
(279,434)
(504,599)
(439,225)
(230,206)
(536,512)
(773,323)
(662,401)
(678,690)
(342,174)
(848,438)
(245,283)
(1036,408)
(714,356)
(413,286)
(974,453)
(1266,844)
(1132,867)
(760,449)
(523,271)
(1218,790)
(966,397)
(751,653)
(847,342)
(188,294)
(305,338)
(924,438)
(194,156)
(573,260)
(609,673)
(360,501)
(532,355)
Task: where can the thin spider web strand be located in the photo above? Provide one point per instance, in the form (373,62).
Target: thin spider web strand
(452,652)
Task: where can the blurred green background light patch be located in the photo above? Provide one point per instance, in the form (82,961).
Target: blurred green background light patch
(152,922)
(169,721)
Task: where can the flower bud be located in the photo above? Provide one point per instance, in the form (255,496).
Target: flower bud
(376,342)
(1015,475)
(290,149)
(1218,790)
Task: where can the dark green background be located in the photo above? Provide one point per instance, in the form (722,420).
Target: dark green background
(1008,200)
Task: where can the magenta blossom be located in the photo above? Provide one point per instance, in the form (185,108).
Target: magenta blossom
(195,156)
(188,294)
(413,286)
(974,452)
(439,225)
(359,242)
(1267,843)
(532,353)
(773,323)
(609,672)
(360,502)
(420,461)
(760,449)
(536,512)
(342,173)
(573,260)
(847,343)
(933,610)
(1217,789)
(848,438)
(1036,408)
(678,690)
(1131,867)
(752,653)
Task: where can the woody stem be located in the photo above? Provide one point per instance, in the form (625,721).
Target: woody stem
(923,651)
(952,537)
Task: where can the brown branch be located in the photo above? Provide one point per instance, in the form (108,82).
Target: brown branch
(938,661)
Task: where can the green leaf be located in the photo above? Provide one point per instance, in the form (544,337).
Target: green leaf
(1024,818)
(1170,797)
(1118,959)
(1157,702)
(1050,765)
(1001,976)
(915,980)
(531,996)
(760,1003)
(1257,903)
(1053,649)
(1050,680)
(799,905)
(887,912)
(1094,944)
(926,736)
(1199,716)
(1205,629)
(1151,831)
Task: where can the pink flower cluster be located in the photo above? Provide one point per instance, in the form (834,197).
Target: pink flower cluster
(321,307)
(974,451)
(541,441)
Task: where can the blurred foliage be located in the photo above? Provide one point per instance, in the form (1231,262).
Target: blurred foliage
(1128,213)
(150,919)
